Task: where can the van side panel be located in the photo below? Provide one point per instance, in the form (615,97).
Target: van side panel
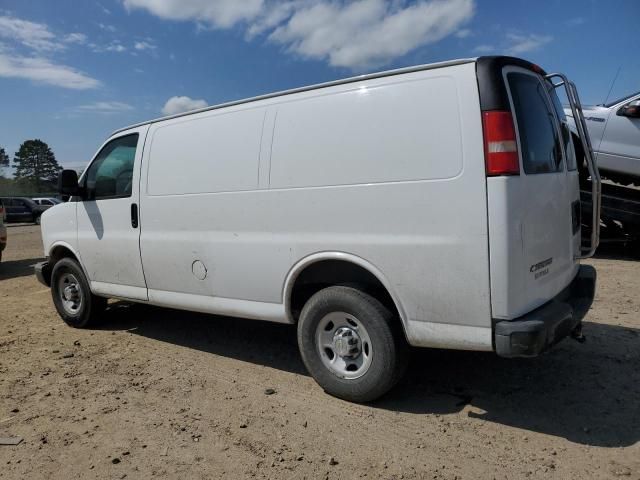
(390,170)
(344,138)
(213,152)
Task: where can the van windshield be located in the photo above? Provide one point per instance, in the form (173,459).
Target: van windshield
(535,118)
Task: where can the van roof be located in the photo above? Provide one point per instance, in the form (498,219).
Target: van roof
(427,66)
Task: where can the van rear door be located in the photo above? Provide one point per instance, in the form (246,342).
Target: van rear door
(534,224)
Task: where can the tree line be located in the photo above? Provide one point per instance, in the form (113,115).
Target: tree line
(35,169)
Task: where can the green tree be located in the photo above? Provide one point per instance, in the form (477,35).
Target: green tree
(35,163)
(4,161)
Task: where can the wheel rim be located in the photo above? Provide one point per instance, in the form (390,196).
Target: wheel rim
(70,292)
(344,345)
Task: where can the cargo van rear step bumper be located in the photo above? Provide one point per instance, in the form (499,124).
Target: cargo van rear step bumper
(535,332)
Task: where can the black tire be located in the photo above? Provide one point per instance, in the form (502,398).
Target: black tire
(36,219)
(389,351)
(89,307)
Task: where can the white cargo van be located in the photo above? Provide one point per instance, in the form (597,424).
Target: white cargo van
(433,206)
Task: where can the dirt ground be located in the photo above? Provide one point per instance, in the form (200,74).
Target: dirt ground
(168,394)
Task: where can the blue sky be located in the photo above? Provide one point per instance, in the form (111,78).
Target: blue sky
(73,71)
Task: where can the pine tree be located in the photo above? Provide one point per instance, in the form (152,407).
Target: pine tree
(4,161)
(36,163)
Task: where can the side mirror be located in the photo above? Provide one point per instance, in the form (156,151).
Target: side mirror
(68,183)
(631,110)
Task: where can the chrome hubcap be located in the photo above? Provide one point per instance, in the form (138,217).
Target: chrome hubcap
(70,293)
(344,345)
(346,342)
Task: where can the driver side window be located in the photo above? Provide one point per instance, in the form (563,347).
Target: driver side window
(111,173)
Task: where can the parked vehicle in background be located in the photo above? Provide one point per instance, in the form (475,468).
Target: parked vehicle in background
(22,209)
(47,201)
(614,129)
(433,206)
(3,229)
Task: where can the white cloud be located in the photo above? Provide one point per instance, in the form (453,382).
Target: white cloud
(464,33)
(484,49)
(345,33)
(368,32)
(218,13)
(104,9)
(39,64)
(104,107)
(144,45)
(271,18)
(78,38)
(576,21)
(116,47)
(182,104)
(31,34)
(37,36)
(44,71)
(107,28)
(519,44)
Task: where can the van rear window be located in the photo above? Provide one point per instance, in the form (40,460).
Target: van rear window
(569,151)
(535,117)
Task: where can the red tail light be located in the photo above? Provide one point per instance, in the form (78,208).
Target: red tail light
(500,146)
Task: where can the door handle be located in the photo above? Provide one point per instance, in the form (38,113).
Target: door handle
(134,215)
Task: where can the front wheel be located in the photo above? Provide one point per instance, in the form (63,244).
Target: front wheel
(72,297)
(351,344)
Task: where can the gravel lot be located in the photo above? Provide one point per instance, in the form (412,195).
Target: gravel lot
(169,394)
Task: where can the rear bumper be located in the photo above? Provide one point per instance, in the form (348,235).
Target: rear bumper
(43,273)
(535,332)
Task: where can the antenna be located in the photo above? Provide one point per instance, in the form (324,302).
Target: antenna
(612,84)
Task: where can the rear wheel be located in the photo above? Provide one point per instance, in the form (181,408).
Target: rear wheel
(351,344)
(72,297)
(36,220)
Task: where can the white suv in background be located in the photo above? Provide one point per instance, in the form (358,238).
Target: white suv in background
(47,201)
(614,129)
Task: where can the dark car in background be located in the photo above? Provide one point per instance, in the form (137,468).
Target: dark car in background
(22,209)
(3,230)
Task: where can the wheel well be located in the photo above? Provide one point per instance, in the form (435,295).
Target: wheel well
(326,273)
(59,253)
